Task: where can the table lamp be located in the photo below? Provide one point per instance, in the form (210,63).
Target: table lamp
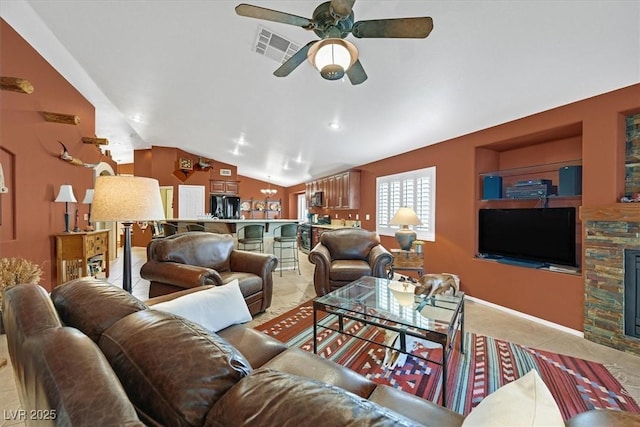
(405,217)
(66,195)
(127,199)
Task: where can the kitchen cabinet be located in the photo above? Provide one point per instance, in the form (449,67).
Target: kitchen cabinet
(348,189)
(316,232)
(339,191)
(224,187)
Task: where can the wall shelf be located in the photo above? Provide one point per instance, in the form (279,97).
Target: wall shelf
(532,170)
(528,199)
(508,178)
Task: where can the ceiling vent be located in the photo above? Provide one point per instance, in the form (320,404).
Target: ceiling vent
(274,46)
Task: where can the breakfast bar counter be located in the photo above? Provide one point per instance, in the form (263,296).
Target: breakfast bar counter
(229,226)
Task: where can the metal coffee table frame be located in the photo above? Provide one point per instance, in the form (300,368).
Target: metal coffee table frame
(364,301)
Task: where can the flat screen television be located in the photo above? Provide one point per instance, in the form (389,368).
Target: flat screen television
(545,235)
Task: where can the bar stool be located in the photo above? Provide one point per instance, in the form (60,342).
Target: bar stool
(251,238)
(287,238)
(195,227)
(168,229)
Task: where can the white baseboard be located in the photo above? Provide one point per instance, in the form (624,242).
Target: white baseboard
(527,316)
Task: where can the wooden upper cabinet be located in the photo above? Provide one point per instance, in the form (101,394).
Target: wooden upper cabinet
(349,190)
(332,194)
(340,191)
(224,187)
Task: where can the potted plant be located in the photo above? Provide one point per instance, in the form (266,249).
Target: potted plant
(14,271)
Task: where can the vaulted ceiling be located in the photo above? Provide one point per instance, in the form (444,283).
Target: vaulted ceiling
(186,74)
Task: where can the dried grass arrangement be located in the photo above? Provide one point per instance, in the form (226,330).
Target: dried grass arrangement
(17,270)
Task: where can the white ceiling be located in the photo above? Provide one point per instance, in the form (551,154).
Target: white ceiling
(187,69)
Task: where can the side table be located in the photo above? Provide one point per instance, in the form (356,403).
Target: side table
(81,254)
(406,261)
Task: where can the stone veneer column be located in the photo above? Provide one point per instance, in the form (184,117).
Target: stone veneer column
(609,230)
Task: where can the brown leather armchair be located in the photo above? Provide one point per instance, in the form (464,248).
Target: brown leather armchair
(198,258)
(345,255)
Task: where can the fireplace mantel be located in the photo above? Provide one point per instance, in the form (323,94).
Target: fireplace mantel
(615,212)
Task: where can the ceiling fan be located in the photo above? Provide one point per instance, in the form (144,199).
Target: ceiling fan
(332,21)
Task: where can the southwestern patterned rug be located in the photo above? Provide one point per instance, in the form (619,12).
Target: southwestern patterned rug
(488,363)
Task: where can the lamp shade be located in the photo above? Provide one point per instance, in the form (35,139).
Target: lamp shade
(127,199)
(88,197)
(66,194)
(405,216)
(333,57)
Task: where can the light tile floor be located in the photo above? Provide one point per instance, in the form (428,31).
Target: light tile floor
(293,289)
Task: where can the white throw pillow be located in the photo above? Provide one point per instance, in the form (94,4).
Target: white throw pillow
(213,309)
(524,402)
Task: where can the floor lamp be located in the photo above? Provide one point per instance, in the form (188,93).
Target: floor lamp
(127,199)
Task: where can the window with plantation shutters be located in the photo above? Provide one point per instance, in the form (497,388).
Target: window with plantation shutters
(413,189)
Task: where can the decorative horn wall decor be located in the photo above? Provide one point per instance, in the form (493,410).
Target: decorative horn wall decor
(3,188)
(95,141)
(70,159)
(67,119)
(15,84)
(203,164)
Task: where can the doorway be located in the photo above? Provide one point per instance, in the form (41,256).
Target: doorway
(166,194)
(302,208)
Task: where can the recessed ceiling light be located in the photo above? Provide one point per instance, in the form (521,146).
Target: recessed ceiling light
(136,118)
(334,125)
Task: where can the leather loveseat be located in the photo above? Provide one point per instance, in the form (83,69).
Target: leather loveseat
(92,354)
(197,258)
(344,255)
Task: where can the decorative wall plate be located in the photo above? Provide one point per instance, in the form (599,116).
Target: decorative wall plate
(245,206)
(274,206)
(259,206)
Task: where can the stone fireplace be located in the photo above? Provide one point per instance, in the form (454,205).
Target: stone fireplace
(632,293)
(608,232)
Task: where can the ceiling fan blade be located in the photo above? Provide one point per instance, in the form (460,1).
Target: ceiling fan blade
(273,15)
(356,73)
(292,63)
(342,8)
(410,28)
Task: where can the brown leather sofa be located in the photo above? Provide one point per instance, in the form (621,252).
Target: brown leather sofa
(345,255)
(196,258)
(92,354)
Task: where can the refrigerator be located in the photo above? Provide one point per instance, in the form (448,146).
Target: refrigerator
(225,207)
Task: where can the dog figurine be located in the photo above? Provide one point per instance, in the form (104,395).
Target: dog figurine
(438,284)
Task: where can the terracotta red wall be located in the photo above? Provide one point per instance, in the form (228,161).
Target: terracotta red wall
(29,154)
(600,144)
(160,163)
(250,189)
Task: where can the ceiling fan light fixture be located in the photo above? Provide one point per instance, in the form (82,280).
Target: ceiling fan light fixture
(333,57)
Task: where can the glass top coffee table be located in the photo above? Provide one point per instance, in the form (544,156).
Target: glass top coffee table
(392,306)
